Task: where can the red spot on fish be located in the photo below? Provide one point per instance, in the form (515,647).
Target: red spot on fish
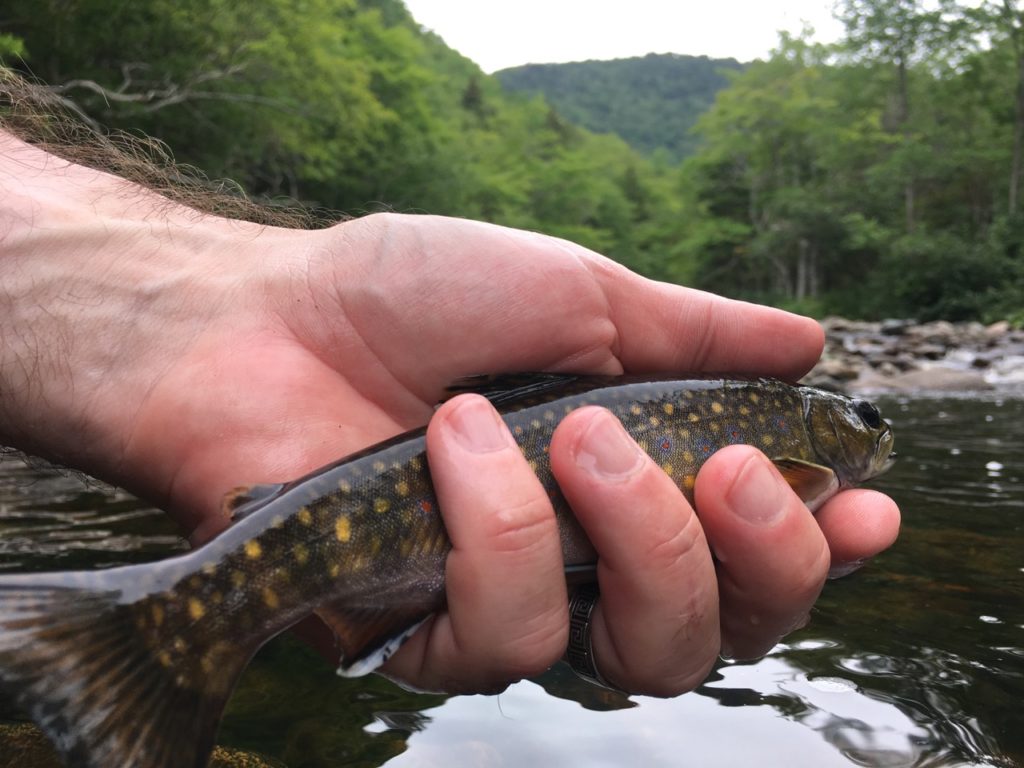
(426,507)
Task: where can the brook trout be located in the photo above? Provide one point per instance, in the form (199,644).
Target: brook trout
(131,667)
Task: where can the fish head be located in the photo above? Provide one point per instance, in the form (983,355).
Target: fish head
(849,435)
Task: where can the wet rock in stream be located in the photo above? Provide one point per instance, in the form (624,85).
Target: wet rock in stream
(905,356)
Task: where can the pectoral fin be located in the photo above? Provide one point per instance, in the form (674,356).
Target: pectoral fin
(813,483)
(368,637)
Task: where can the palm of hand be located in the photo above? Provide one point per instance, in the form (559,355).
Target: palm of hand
(356,342)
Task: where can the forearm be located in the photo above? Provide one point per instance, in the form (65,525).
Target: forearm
(94,277)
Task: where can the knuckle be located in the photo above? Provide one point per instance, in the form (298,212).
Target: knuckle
(668,555)
(537,646)
(521,527)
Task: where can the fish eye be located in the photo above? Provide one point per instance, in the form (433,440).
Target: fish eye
(868,413)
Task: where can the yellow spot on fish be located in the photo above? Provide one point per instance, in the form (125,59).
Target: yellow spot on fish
(668,408)
(402,488)
(277,522)
(688,482)
(217,598)
(767,440)
(209,568)
(716,427)
(334,569)
(668,468)
(179,644)
(253,550)
(549,415)
(379,466)
(305,516)
(688,394)
(270,598)
(635,410)
(568,409)
(717,407)
(238,579)
(535,423)
(744,411)
(416,463)
(693,416)
(754,398)
(196,609)
(157,611)
(344,486)
(207,663)
(164,658)
(301,553)
(342,529)
(381,505)
(654,421)
(533,464)
(688,457)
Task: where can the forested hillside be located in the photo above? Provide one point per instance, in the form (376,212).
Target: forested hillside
(346,104)
(877,177)
(652,102)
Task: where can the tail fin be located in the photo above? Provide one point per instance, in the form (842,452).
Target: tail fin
(75,658)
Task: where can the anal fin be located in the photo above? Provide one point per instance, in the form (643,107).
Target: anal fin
(368,637)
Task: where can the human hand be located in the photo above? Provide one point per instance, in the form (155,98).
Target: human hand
(203,354)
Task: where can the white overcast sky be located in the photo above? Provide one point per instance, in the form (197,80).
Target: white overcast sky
(505,33)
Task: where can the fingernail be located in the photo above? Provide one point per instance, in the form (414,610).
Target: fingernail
(477,426)
(757,494)
(606,451)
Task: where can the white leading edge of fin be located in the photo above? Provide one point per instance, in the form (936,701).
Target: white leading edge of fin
(367,664)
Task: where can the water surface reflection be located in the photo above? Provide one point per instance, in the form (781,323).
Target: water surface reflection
(918,660)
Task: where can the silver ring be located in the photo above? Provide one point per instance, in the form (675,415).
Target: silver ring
(580,653)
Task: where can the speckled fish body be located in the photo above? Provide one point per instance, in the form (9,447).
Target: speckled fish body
(124,666)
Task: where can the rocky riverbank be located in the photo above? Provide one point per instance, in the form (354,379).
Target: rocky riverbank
(904,356)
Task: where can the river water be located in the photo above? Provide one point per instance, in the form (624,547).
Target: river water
(916,660)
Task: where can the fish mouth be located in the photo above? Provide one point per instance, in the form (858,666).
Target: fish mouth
(884,448)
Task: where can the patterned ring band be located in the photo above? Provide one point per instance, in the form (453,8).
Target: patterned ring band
(580,653)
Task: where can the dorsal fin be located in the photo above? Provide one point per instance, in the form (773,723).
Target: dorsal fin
(507,387)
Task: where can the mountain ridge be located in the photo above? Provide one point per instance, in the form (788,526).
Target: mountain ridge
(650,101)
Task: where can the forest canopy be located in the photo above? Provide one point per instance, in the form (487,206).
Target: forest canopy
(876,177)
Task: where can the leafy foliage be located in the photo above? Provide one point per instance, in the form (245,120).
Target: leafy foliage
(877,177)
